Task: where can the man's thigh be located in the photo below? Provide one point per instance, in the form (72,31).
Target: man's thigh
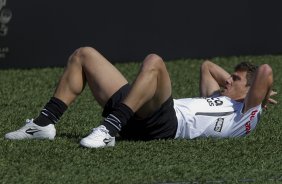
(161,124)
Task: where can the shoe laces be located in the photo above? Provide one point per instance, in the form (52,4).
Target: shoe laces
(99,131)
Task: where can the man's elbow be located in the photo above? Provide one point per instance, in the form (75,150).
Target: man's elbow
(265,70)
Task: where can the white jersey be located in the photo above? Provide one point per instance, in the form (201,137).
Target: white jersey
(214,117)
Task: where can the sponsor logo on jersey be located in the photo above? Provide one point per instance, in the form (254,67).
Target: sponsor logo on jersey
(248,124)
(219,124)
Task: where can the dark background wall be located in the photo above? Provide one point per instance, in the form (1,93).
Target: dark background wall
(45,33)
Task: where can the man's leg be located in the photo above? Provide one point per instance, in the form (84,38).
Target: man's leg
(88,65)
(150,90)
(84,65)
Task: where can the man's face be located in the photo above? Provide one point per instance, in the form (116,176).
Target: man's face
(235,86)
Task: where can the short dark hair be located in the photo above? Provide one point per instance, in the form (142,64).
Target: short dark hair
(249,68)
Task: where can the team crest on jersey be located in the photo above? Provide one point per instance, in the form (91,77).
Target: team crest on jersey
(219,124)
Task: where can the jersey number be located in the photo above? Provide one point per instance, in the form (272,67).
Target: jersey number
(214,101)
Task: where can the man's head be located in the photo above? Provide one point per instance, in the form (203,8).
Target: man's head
(249,68)
(238,84)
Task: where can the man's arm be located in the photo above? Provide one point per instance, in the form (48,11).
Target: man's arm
(261,88)
(212,77)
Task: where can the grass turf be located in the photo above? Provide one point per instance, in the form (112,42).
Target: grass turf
(256,158)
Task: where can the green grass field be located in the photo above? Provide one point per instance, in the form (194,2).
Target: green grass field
(254,159)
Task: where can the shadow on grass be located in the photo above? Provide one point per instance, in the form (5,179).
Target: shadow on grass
(70,136)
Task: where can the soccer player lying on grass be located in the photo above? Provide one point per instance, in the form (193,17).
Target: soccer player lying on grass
(229,106)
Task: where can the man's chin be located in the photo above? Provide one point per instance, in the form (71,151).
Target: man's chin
(223,92)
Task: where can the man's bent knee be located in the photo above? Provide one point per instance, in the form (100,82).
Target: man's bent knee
(153,61)
(84,52)
(81,54)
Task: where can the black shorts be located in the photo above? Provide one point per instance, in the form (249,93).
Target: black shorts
(162,124)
